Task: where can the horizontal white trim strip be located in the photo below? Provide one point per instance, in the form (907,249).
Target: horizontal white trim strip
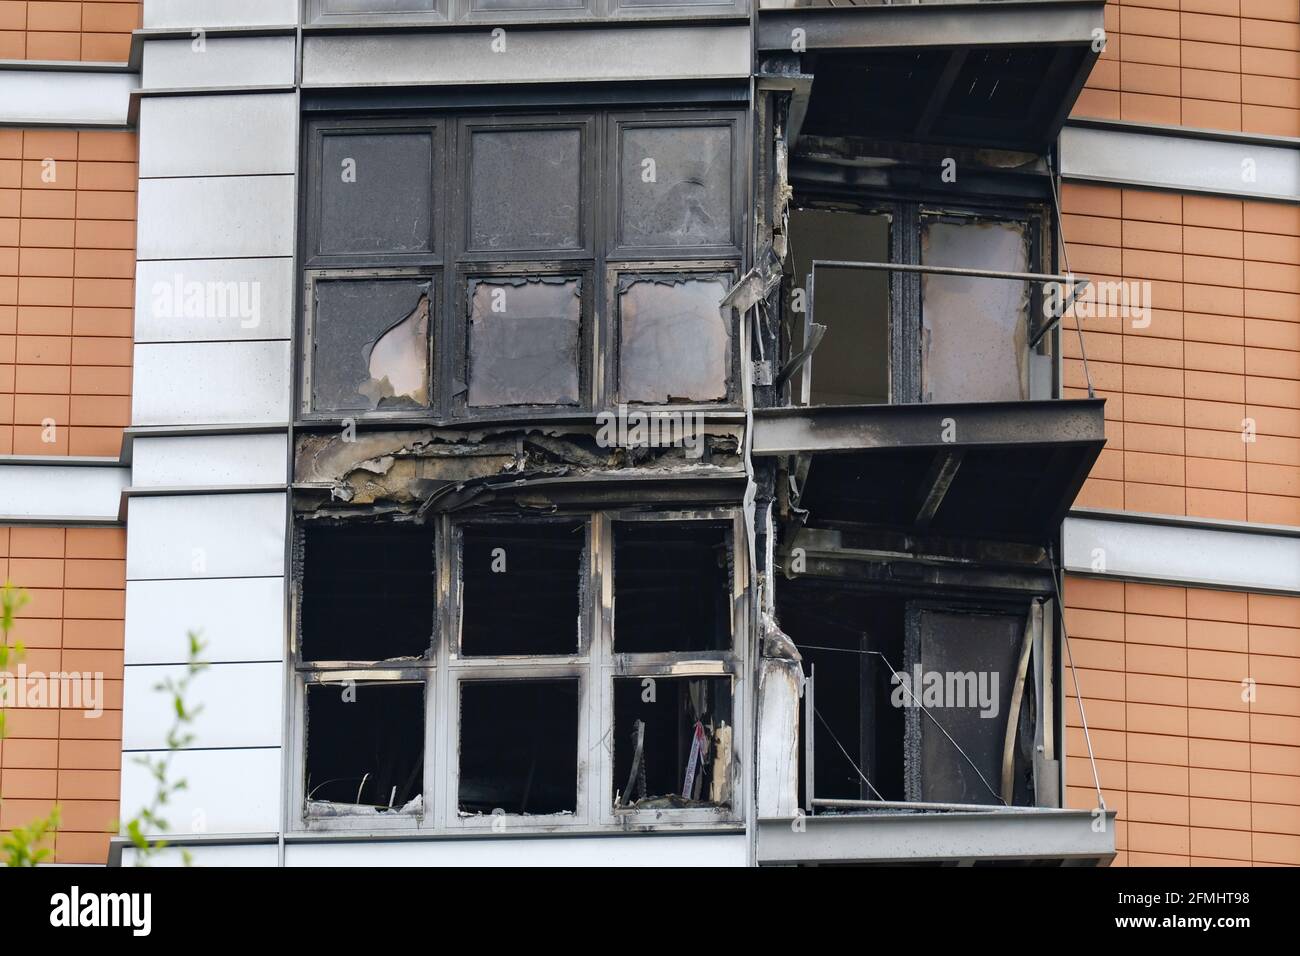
(1188,552)
(65,98)
(74,492)
(1188,163)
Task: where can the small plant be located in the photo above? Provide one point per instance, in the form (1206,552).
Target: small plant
(29,845)
(178,738)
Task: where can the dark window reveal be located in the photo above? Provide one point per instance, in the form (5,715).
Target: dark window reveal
(370,344)
(524,336)
(672,586)
(521,588)
(365,747)
(367,593)
(674,345)
(519,746)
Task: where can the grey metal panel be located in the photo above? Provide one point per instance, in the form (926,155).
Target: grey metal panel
(206,536)
(223,62)
(180,461)
(249,133)
(830,428)
(55,491)
(226,791)
(238,216)
(531,56)
(241,706)
(196,300)
(1209,164)
(165,14)
(49,98)
(639,850)
(235,854)
(211,383)
(241,619)
(1030,834)
(1194,553)
(956,24)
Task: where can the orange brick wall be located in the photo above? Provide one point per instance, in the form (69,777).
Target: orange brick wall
(1213,64)
(1198,775)
(96,30)
(76,578)
(1223,346)
(67,263)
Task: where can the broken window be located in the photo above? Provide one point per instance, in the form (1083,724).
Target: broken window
(525,186)
(975,333)
(521,588)
(376,193)
(518,746)
(672,586)
(367,593)
(672,742)
(524,341)
(365,748)
(674,345)
(370,344)
(850,365)
(675,186)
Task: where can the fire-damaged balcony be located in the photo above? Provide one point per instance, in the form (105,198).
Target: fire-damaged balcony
(988,73)
(916,600)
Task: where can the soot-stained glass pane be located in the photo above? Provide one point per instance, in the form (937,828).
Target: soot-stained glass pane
(676,186)
(376,193)
(524,341)
(674,344)
(525,190)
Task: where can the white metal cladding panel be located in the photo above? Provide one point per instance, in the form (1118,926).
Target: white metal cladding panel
(54,491)
(242,706)
(248,133)
(216,218)
(161,14)
(1208,556)
(211,383)
(195,300)
(530,56)
(1180,162)
(218,62)
(235,854)
(206,536)
(227,791)
(180,460)
(688,851)
(46,97)
(239,619)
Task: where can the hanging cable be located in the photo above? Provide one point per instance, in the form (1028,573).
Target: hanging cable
(1078,691)
(1065,257)
(846,755)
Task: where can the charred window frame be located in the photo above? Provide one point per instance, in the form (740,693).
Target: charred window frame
(369,709)
(908,218)
(560,682)
(717,674)
(579,688)
(678,174)
(431,12)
